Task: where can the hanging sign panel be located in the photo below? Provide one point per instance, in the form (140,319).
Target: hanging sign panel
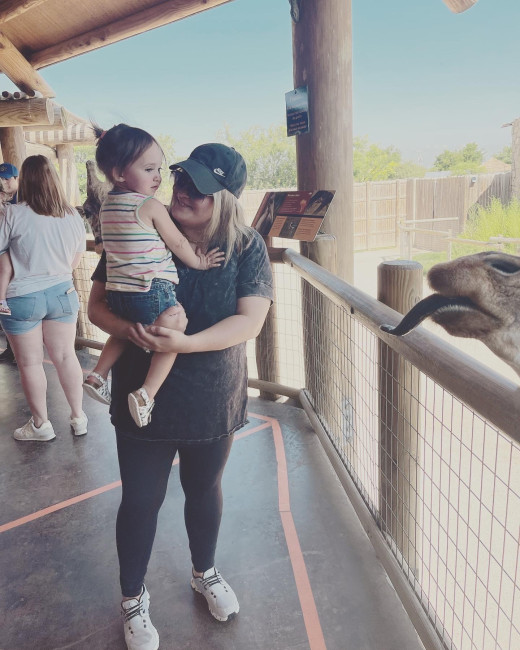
(292,215)
(297,110)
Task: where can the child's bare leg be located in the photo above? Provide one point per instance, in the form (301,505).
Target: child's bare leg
(162,362)
(96,384)
(111,352)
(6,273)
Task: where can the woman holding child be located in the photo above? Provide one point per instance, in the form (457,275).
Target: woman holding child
(202,401)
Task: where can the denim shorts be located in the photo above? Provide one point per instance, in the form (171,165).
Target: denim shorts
(59,303)
(143,307)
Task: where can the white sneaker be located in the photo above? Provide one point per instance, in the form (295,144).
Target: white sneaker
(140,407)
(221,598)
(99,390)
(30,432)
(79,425)
(140,634)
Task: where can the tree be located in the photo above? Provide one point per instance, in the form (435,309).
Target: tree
(269,154)
(506,155)
(467,160)
(373,163)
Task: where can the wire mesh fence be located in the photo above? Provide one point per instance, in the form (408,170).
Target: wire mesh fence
(442,482)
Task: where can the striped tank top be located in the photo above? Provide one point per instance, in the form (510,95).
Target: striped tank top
(136,254)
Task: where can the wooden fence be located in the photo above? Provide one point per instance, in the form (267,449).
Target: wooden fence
(379,206)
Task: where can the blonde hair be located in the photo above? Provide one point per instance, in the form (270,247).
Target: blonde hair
(227,228)
(41,189)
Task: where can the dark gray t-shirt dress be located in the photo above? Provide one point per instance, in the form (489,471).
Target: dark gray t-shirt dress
(204,397)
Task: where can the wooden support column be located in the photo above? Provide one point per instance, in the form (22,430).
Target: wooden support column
(13,145)
(68,173)
(322,52)
(400,287)
(266,347)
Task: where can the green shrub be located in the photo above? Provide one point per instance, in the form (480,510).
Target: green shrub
(493,221)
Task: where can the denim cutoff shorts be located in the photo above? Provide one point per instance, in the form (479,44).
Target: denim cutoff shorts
(143,307)
(59,303)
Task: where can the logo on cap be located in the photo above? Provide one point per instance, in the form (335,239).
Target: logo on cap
(219,172)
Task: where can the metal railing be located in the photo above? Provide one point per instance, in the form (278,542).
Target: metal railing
(430,440)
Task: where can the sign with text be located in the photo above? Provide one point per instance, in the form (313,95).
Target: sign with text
(297,110)
(293,215)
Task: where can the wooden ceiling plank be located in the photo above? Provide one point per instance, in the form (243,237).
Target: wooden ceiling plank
(142,21)
(12,8)
(20,71)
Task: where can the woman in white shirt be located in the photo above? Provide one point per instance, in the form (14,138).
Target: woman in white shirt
(45,237)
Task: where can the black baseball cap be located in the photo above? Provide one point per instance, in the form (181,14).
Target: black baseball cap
(214,167)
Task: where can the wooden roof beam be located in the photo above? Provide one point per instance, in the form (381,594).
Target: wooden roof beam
(20,71)
(12,8)
(75,134)
(157,16)
(23,112)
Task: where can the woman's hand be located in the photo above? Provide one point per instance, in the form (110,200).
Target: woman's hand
(154,338)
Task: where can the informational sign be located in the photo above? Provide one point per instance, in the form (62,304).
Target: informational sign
(297,109)
(292,215)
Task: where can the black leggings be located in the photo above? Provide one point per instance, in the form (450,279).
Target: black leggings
(145,469)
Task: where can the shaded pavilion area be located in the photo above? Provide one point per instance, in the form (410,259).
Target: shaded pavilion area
(291,544)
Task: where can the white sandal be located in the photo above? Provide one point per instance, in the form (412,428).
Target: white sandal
(102,392)
(140,406)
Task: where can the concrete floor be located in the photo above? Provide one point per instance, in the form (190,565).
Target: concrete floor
(290,545)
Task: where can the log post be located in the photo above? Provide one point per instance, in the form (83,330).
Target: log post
(68,173)
(13,145)
(266,347)
(322,53)
(400,287)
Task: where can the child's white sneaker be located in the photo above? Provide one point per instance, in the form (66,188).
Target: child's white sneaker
(96,386)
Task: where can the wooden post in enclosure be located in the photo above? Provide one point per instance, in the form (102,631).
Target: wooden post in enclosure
(400,287)
(266,347)
(13,145)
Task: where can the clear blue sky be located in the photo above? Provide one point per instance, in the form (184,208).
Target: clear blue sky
(425,79)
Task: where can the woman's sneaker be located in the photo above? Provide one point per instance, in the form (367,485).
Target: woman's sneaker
(140,407)
(30,432)
(140,634)
(97,387)
(79,425)
(222,601)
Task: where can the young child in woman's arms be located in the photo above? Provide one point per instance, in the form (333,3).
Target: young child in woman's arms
(139,238)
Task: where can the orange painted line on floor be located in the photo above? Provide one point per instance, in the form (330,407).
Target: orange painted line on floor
(93,493)
(58,506)
(303,585)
